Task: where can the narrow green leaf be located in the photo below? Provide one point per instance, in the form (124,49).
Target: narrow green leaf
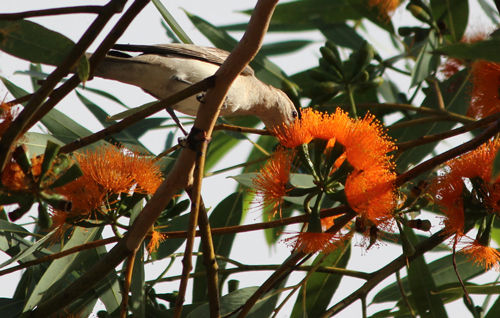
(427,63)
(171,22)
(494,310)
(456,99)
(321,287)
(455,15)
(56,274)
(6,226)
(171,245)
(488,50)
(30,250)
(108,289)
(37,142)
(137,287)
(422,286)
(11,308)
(33,42)
(265,70)
(490,11)
(284,47)
(227,213)
(443,273)
(342,35)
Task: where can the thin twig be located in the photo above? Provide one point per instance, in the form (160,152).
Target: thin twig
(450,154)
(126,285)
(439,96)
(31,113)
(140,115)
(426,120)
(262,132)
(59,255)
(385,272)
(402,146)
(48,12)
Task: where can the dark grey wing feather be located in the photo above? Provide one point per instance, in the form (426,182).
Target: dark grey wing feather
(207,54)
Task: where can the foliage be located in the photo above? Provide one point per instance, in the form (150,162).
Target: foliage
(361,164)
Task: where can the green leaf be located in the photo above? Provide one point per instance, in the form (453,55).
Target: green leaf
(33,247)
(108,289)
(171,22)
(231,302)
(284,47)
(137,287)
(11,308)
(491,12)
(305,12)
(125,136)
(422,286)
(6,226)
(494,310)
(227,213)
(455,14)
(57,272)
(456,99)
(443,273)
(483,50)
(222,142)
(321,287)
(265,70)
(168,247)
(427,63)
(33,42)
(37,142)
(342,35)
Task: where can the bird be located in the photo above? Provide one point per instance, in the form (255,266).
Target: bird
(165,69)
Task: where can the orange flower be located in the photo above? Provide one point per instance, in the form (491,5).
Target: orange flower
(298,132)
(452,65)
(485,77)
(484,256)
(109,171)
(309,242)
(371,194)
(385,7)
(273,182)
(448,187)
(367,146)
(14,178)
(154,243)
(7,115)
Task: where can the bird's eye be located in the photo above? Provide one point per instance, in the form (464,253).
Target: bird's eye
(295,114)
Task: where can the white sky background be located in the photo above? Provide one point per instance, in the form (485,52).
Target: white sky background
(249,248)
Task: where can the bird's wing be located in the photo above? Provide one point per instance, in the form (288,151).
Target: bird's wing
(207,54)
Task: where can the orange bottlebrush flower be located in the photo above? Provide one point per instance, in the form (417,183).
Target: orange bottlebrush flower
(298,132)
(118,172)
(154,243)
(485,101)
(14,178)
(484,256)
(309,242)
(7,115)
(452,65)
(273,182)
(386,7)
(372,194)
(367,146)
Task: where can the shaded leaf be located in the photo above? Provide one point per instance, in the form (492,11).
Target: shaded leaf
(227,213)
(455,14)
(427,63)
(11,308)
(342,35)
(483,50)
(284,47)
(321,287)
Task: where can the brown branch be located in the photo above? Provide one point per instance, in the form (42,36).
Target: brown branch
(288,266)
(61,254)
(27,118)
(425,120)
(180,177)
(385,272)
(450,154)
(262,132)
(402,146)
(140,115)
(126,285)
(53,11)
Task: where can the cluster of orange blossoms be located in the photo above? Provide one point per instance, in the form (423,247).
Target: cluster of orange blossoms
(385,7)
(369,188)
(108,172)
(449,187)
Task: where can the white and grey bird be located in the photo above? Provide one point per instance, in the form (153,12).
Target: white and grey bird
(163,70)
